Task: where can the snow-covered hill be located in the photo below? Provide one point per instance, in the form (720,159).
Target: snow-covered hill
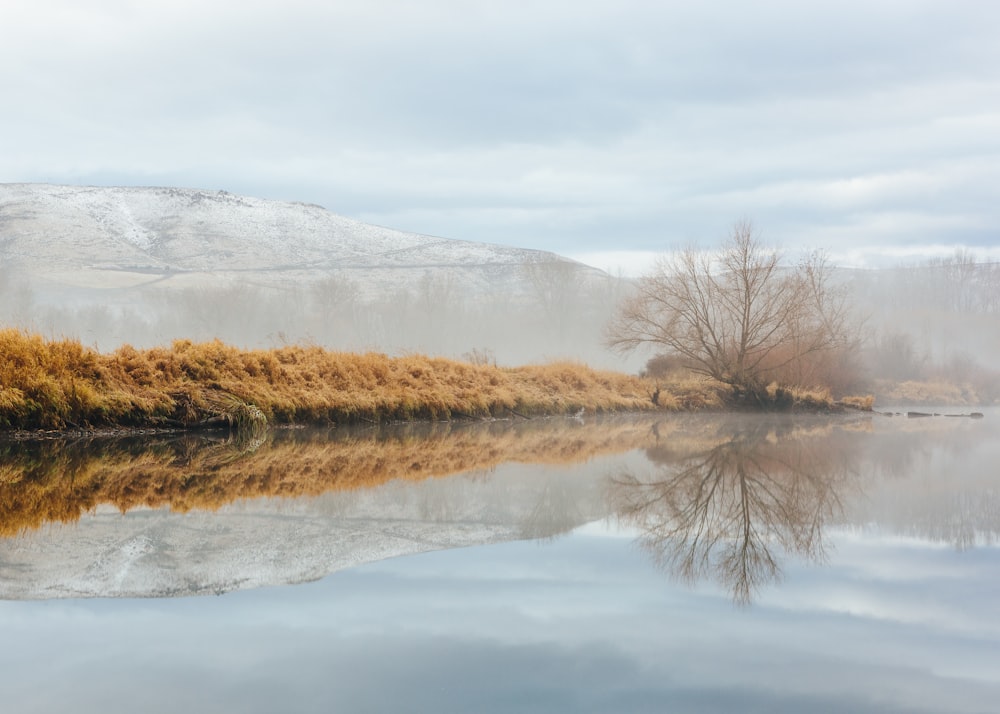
(99,237)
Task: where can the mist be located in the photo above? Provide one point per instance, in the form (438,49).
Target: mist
(550,311)
(928,331)
(924,333)
(934,321)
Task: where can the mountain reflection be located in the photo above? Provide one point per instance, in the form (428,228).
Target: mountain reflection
(729,501)
(728,498)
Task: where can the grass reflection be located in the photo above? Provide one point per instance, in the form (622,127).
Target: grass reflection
(722,497)
(59,480)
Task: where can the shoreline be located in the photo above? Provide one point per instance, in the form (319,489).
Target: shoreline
(121,432)
(50,388)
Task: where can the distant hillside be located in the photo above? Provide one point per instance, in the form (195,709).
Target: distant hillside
(104,238)
(148,265)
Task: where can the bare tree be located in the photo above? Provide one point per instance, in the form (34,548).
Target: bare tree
(737,315)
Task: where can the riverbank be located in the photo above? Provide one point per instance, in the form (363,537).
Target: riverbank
(61,385)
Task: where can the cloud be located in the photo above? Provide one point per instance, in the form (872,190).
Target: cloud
(575,127)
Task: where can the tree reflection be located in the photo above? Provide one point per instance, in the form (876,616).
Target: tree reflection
(728,505)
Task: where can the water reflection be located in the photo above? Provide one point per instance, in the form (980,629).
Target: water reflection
(59,480)
(889,624)
(724,498)
(730,500)
(186,516)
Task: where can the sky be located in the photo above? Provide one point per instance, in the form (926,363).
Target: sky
(606,130)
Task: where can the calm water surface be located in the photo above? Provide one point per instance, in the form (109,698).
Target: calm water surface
(688,564)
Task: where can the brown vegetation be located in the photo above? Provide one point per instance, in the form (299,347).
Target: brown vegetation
(938,392)
(55,384)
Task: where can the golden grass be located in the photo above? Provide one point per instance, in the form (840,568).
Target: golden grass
(865,403)
(59,384)
(54,384)
(57,480)
(688,391)
(923,392)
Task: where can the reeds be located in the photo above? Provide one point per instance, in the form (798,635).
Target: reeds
(247,420)
(59,384)
(932,391)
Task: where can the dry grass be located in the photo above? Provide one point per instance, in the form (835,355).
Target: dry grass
(865,403)
(60,384)
(691,392)
(54,384)
(924,392)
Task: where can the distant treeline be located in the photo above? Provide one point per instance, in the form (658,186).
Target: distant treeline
(958,284)
(557,310)
(933,331)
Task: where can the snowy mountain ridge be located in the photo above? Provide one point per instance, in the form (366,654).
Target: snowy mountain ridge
(84,235)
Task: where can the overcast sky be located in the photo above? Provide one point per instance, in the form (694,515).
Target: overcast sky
(870,129)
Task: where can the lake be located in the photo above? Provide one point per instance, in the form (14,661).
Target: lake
(688,563)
